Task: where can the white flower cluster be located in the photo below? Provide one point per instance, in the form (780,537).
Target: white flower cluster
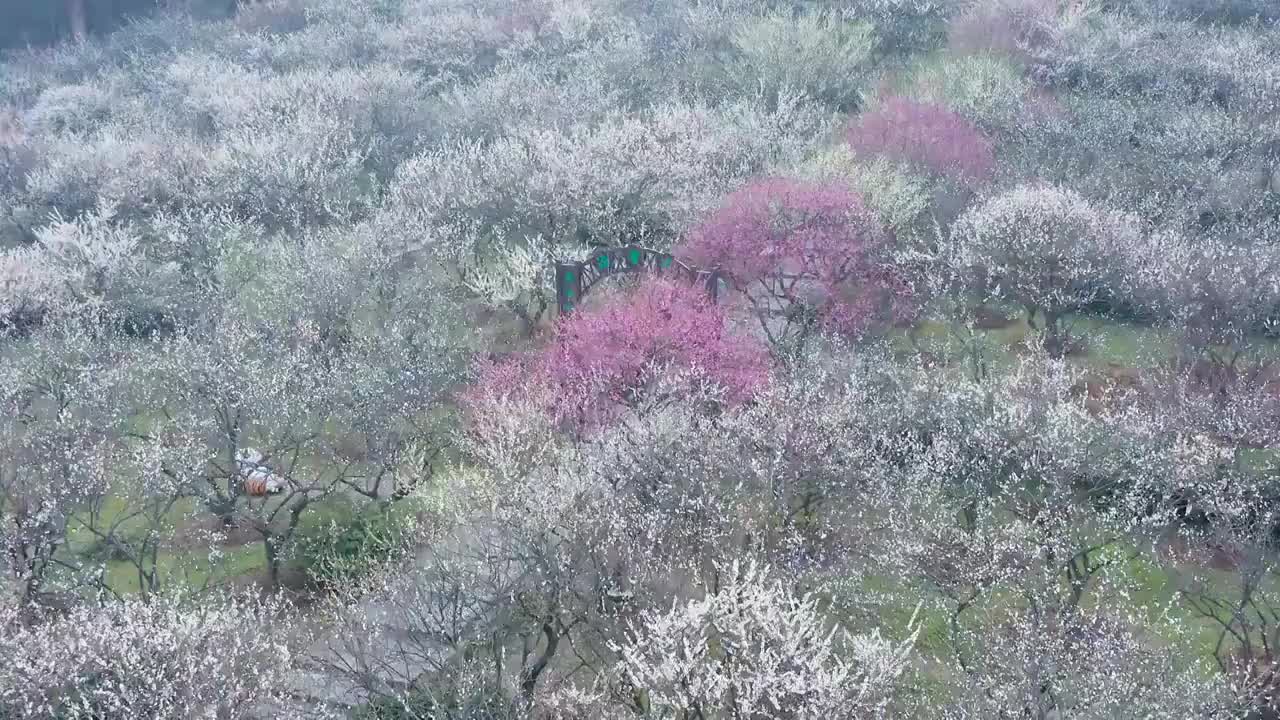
(220,658)
(751,648)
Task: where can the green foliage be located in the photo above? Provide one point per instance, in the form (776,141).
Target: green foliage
(344,541)
(986,88)
(821,55)
(899,197)
(192,569)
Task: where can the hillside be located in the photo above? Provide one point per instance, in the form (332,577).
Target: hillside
(981,421)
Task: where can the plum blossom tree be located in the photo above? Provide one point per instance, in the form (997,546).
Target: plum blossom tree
(1045,248)
(82,485)
(1223,297)
(1008,505)
(608,358)
(1241,612)
(55,443)
(805,255)
(94,267)
(224,657)
(823,55)
(560,542)
(750,648)
(519,594)
(927,136)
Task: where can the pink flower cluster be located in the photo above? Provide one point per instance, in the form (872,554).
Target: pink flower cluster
(926,135)
(602,359)
(805,243)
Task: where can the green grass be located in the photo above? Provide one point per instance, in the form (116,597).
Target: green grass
(188,567)
(192,568)
(1125,344)
(81,540)
(1147,582)
(895,606)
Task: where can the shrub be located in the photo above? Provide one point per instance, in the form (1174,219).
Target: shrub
(804,254)
(926,135)
(352,543)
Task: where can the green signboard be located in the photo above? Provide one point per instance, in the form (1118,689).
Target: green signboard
(574,279)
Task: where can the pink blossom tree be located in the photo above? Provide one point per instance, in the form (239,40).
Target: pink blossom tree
(927,136)
(664,337)
(805,255)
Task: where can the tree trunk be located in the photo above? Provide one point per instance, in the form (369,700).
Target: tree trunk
(1055,337)
(79,18)
(273,562)
(224,508)
(530,681)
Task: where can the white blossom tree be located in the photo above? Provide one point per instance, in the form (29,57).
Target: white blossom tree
(750,648)
(220,657)
(1046,249)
